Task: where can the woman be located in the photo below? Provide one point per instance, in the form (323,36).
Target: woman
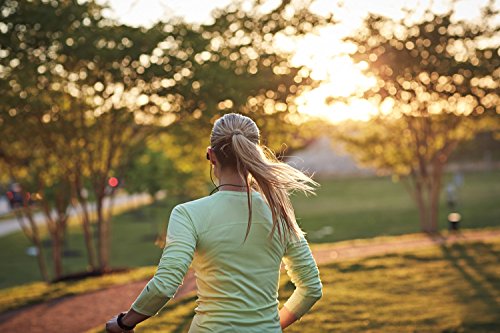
(235,240)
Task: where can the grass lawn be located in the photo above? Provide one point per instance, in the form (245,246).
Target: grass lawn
(453,288)
(364,208)
(343,209)
(132,245)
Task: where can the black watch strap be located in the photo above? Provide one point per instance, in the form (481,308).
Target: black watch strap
(121,324)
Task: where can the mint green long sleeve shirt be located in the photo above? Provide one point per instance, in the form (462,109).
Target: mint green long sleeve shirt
(237,282)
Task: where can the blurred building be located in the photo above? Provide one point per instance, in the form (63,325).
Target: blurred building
(326,160)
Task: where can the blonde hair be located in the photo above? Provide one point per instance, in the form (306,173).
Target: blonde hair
(235,139)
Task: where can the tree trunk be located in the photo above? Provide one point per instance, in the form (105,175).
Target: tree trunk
(87,233)
(57,250)
(35,238)
(41,259)
(56,229)
(111,198)
(419,197)
(435,193)
(103,235)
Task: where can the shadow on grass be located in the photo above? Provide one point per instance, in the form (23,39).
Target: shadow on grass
(480,280)
(420,258)
(360,267)
(488,250)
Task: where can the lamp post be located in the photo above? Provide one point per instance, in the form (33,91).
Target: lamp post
(454,221)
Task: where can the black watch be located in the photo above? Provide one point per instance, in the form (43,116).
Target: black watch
(121,324)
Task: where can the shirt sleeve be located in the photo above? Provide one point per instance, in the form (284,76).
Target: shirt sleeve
(174,263)
(304,274)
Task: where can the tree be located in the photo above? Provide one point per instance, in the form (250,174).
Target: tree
(28,71)
(231,65)
(436,86)
(66,74)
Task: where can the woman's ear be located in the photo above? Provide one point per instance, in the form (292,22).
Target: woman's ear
(210,156)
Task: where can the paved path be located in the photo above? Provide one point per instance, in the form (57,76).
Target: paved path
(4,205)
(342,252)
(121,200)
(83,312)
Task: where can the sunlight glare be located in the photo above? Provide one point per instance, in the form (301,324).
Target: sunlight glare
(312,103)
(323,51)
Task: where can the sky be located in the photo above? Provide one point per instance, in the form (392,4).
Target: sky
(322,52)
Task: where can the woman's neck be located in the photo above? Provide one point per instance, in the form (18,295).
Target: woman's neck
(229,179)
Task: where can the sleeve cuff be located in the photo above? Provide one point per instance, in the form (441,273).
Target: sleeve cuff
(150,300)
(299,306)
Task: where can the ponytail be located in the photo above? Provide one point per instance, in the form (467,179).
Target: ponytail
(235,139)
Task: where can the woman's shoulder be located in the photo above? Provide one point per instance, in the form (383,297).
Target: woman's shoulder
(196,204)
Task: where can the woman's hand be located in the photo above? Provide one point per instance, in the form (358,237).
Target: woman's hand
(112,326)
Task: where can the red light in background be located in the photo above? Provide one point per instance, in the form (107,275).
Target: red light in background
(113,182)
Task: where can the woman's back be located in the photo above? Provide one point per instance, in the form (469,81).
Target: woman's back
(237,281)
